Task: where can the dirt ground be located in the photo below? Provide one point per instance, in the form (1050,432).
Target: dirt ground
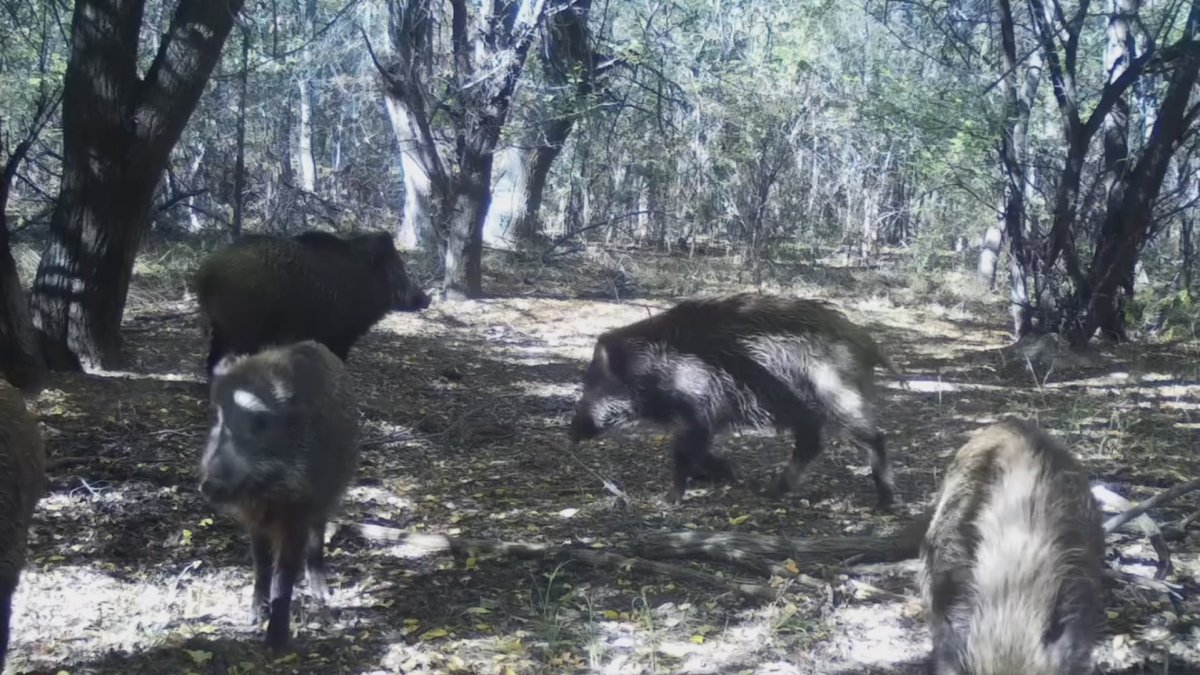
(464,409)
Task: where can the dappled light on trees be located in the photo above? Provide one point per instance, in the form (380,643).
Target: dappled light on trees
(727,288)
(119,127)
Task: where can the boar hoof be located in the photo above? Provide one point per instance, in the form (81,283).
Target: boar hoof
(674,496)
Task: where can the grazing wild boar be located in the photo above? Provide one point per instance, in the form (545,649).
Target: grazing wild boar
(22,482)
(280,454)
(1012,558)
(266,290)
(749,360)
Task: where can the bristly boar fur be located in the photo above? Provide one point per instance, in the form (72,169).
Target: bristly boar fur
(1012,560)
(22,482)
(281,452)
(265,290)
(750,360)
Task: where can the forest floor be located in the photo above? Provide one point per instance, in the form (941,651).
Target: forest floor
(465,408)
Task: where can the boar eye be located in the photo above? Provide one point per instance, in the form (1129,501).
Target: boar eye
(258,424)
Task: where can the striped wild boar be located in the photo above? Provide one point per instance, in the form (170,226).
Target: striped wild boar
(281,452)
(1012,559)
(22,482)
(748,360)
(265,290)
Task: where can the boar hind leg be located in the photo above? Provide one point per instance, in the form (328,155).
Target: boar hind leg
(8,586)
(689,450)
(807,432)
(314,561)
(288,559)
(881,470)
(867,434)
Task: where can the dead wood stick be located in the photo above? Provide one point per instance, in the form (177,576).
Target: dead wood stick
(1145,505)
(1148,527)
(752,551)
(425,544)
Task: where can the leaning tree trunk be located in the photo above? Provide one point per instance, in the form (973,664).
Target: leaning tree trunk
(532,183)
(464,213)
(20,359)
(118,131)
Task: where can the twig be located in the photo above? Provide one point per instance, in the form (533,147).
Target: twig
(1143,582)
(753,550)
(426,544)
(1145,505)
(1148,527)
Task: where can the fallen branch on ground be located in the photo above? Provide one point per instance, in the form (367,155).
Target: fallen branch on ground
(1148,527)
(1143,506)
(426,544)
(756,551)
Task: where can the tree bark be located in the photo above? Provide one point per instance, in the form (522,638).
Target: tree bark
(458,173)
(1018,106)
(239,170)
(468,206)
(118,131)
(306,161)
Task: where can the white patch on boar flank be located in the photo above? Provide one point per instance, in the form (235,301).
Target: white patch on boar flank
(248,401)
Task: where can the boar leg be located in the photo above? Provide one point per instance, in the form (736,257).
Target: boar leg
(314,561)
(260,550)
(881,470)
(688,445)
(8,586)
(288,560)
(807,432)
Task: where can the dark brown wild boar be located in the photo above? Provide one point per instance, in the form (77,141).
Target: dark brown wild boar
(749,360)
(281,452)
(22,482)
(1012,559)
(266,290)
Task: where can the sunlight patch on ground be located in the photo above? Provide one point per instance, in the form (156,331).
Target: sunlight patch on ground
(115,612)
(878,635)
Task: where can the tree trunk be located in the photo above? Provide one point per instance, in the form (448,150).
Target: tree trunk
(416,228)
(1018,104)
(532,183)
(20,359)
(305,159)
(464,220)
(118,131)
(239,170)
(1126,226)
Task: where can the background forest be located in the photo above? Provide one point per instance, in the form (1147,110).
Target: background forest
(1007,190)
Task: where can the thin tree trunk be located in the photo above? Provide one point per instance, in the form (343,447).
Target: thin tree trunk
(305,159)
(239,171)
(465,216)
(531,184)
(1018,106)
(118,131)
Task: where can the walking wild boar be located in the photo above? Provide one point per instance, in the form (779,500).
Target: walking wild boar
(282,449)
(22,481)
(750,360)
(266,290)
(1012,559)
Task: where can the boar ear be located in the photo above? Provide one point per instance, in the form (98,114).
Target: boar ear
(226,363)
